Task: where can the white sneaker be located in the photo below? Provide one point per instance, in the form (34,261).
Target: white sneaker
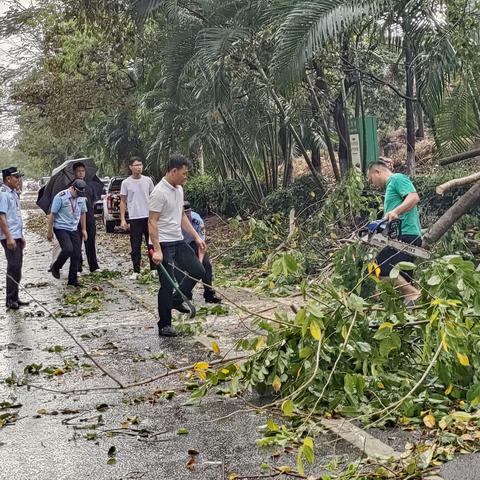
(133,276)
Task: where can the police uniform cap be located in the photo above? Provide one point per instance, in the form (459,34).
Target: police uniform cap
(79,186)
(11,172)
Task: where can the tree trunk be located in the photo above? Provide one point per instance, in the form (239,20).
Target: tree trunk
(446,221)
(286,147)
(323,124)
(196,155)
(247,161)
(296,137)
(331,151)
(341,127)
(409,107)
(459,157)
(316,160)
(420,133)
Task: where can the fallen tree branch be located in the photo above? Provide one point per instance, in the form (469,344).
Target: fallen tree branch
(459,157)
(140,383)
(459,208)
(457,182)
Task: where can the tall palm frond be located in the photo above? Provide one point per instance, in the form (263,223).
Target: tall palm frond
(308,26)
(457,124)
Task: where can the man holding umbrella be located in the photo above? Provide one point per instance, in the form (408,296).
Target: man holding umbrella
(69,207)
(62,177)
(80,171)
(11,234)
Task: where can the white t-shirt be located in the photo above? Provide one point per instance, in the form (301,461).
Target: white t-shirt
(168,202)
(137,191)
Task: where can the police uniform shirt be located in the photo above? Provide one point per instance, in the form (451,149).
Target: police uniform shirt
(198,225)
(10,207)
(67,210)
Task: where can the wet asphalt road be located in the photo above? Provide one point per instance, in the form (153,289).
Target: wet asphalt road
(63,436)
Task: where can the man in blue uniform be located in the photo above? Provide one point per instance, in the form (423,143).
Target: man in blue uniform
(11,234)
(68,208)
(199,226)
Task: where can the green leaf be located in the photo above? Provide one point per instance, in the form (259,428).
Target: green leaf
(473,394)
(287,408)
(405,266)
(434,280)
(290,263)
(276,384)
(308,450)
(315,331)
(305,352)
(388,344)
(300,467)
(394,273)
(272,426)
(182,431)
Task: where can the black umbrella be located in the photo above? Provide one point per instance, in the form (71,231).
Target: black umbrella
(63,176)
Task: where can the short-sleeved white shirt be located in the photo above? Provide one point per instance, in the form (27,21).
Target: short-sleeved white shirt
(167,200)
(137,191)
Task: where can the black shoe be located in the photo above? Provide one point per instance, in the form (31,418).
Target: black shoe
(12,305)
(76,285)
(212,299)
(23,303)
(55,272)
(180,307)
(167,331)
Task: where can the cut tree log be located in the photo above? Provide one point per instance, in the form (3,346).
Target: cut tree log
(459,208)
(459,157)
(457,182)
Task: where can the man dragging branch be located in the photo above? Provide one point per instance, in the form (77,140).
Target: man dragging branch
(165,223)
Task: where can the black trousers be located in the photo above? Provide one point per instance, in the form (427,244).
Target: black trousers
(182,256)
(71,246)
(208,291)
(388,257)
(90,246)
(138,233)
(14,269)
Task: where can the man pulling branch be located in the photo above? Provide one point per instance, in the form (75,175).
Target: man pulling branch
(165,223)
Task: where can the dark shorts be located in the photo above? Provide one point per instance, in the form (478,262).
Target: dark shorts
(389,257)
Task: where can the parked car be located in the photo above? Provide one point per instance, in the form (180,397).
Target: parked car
(111,204)
(98,206)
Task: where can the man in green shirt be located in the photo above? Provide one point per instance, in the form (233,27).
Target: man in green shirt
(401,201)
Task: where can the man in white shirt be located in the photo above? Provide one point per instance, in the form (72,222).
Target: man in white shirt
(134,194)
(166,221)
